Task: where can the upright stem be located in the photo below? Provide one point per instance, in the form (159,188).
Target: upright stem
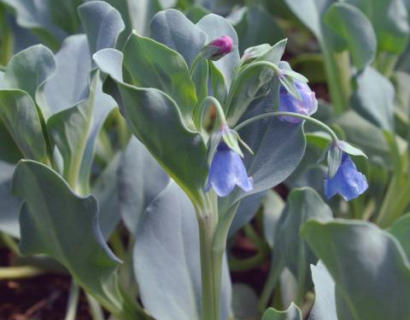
(7,41)
(211,261)
(338,78)
(213,231)
(209,272)
(385,63)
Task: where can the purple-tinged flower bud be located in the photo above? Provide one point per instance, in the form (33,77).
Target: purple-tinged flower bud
(289,103)
(218,48)
(227,171)
(348,182)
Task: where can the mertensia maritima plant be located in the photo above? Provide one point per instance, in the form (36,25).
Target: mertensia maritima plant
(138,150)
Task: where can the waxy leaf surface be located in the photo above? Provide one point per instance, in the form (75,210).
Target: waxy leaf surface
(368,266)
(19,115)
(173,29)
(57,222)
(9,205)
(140,180)
(374,98)
(167,263)
(181,152)
(302,205)
(324,307)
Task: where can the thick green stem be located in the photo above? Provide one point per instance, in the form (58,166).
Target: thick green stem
(388,202)
(213,231)
(395,202)
(386,62)
(211,266)
(6,40)
(338,78)
(300,296)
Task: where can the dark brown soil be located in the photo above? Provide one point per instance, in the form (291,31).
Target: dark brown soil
(40,298)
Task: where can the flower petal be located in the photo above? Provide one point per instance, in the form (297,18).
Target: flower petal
(227,170)
(289,103)
(348,182)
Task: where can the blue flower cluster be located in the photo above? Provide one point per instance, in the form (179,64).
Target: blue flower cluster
(228,170)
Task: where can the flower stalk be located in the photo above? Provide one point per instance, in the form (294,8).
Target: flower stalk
(333,135)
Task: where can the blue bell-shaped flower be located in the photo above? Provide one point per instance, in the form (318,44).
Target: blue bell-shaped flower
(348,182)
(227,171)
(289,103)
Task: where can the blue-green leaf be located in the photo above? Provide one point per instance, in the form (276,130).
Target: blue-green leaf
(310,13)
(69,86)
(367,136)
(56,222)
(334,159)
(214,27)
(37,17)
(9,205)
(302,205)
(257,26)
(102,24)
(174,30)
(244,302)
(19,114)
(374,98)
(368,265)
(106,191)
(325,303)
(356,30)
(246,211)
(181,152)
(390,21)
(270,166)
(140,180)
(69,130)
(137,15)
(149,64)
(401,231)
(273,206)
(168,232)
(29,70)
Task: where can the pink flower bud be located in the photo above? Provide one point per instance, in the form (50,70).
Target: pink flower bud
(218,48)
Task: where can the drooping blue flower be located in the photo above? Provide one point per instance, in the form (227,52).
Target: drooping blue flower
(227,171)
(348,182)
(289,103)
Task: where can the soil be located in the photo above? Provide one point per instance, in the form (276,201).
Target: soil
(43,297)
